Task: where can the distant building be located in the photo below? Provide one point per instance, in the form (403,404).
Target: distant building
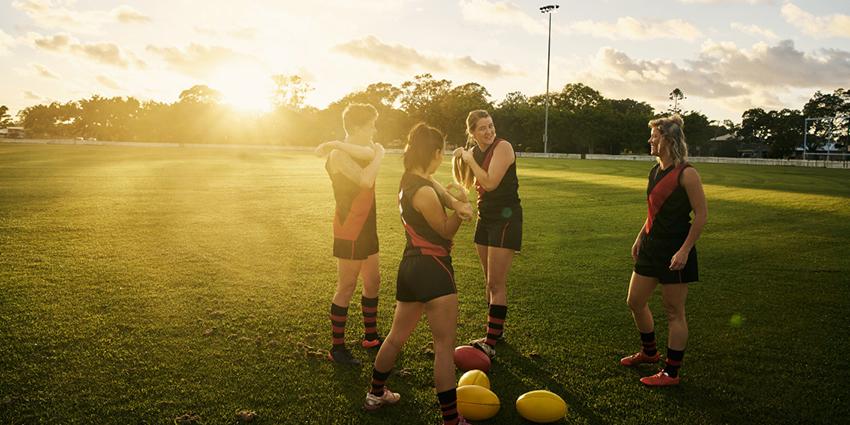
(829,151)
(753,150)
(725,145)
(12,133)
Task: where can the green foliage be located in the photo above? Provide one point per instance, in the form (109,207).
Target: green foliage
(5,118)
(581,120)
(836,107)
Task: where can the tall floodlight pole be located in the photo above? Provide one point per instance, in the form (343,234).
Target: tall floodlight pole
(548,9)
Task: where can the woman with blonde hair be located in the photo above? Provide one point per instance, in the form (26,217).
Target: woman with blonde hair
(490,163)
(664,250)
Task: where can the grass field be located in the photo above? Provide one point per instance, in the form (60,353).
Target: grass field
(139,284)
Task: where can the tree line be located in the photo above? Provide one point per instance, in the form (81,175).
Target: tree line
(581,120)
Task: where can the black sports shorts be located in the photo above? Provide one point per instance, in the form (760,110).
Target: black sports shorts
(654,261)
(499,233)
(422,278)
(365,245)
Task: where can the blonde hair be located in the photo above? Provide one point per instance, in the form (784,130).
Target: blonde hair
(461,171)
(672,129)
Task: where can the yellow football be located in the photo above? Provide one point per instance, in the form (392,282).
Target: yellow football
(477,403)
(474,377)
(541,406)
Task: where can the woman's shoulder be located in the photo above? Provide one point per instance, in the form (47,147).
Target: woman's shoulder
(503,145)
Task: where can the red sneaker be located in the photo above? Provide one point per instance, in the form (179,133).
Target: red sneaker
(639,358)
(372,343)
(660,379)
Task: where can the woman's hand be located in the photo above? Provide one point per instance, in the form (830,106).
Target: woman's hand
(463,209)
(466,155)
(325,148)
(680,258)
(457,191)
(379,150)
(636,248)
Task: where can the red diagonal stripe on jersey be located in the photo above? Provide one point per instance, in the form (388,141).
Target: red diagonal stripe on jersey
(360,207)
(425,246)
(660,192)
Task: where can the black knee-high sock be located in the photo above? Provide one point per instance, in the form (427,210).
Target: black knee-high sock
(674,362)
(379,379)
(370,318)
(495,323)
(647,340)
(448,406)
(339,315)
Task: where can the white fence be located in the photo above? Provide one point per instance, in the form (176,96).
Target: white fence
(703,159)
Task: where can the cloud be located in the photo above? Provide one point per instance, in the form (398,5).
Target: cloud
(502,13)
(107,82)
(6,42)
(126,14)
(615,71)
(43,71)
(403,58)
(816,26)
(779,65)
(727,1)
(630,28)
(754,30)
(244,33)
(105,53)
(57,15)
(199,60)
(31,96)
(721,71)
(54,43)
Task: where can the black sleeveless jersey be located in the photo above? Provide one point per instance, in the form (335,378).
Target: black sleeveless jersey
(502,200)
(421,238)
(355,206)
(669,208)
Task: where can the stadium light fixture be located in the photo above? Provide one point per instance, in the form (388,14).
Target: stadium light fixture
(548,9)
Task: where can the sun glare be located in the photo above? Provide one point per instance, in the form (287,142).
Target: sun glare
(247,88)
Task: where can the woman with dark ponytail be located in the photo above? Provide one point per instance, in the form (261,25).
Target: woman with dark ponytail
(664,250)
(425,282)
(490,163)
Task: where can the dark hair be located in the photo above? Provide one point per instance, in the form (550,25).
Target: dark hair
(422,141)
(356,115)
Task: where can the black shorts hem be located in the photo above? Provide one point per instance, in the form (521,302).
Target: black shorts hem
(355,250)
(422,278)
(499,234)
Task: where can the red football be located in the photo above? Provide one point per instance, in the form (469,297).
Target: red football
(470,358)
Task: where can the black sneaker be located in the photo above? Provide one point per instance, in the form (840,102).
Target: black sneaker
(485,348)
(343,356)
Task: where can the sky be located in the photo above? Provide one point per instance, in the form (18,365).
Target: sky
(725,55)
